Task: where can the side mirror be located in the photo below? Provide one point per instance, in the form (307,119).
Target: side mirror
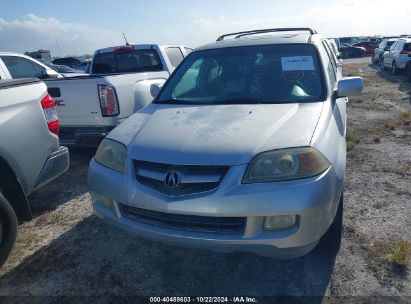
(50,73)
(387,48)
(155,89)
(349,86)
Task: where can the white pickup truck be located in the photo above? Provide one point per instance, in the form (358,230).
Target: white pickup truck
(122,80)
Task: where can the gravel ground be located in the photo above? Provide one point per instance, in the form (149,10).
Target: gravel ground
(67,251)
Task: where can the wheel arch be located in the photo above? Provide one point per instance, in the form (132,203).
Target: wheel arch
(11,188)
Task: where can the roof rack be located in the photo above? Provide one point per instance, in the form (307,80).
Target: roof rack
(254,32)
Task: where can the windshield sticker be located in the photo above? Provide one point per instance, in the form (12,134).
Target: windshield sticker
(297,63)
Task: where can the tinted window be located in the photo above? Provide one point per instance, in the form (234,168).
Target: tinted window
(407,47)
(126,61)
(254,74)
(175,55)
(389,43)
(20,67)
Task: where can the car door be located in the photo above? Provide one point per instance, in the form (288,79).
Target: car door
(405,55)
(398,54)
(388,55)
(20,67)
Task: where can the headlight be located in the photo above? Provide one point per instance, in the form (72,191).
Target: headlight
(111,154)
(285,164)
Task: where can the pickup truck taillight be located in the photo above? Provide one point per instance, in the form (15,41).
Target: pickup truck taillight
(50,113)
(108,100)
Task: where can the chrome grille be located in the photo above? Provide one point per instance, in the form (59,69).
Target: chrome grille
(184,222)
(193,179)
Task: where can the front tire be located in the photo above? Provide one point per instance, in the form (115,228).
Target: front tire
(331,240)
(8,228)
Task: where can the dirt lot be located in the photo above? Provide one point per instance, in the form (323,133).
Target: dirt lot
(66,250)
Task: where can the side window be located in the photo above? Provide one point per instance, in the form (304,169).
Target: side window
(332,66)
(407,47)
(175,55)
(331,70)
(332,52)
(20,67)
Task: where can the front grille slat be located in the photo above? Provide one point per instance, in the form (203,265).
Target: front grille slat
(194,179)
(184,222)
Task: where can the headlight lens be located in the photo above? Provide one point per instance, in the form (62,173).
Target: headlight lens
(111,154)
(285,164)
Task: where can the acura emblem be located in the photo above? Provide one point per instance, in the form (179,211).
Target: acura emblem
(172,179)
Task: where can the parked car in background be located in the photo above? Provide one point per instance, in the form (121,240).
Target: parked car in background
(408,71)
(63,69)
(348,40)
(16,66)
(39,55)
(243,150)
(68,61)
(349,51)
(30,154)
(397,56)
(383,46)
(368,45)
(83,66)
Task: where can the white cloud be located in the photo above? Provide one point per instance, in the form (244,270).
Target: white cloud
(351,17)
(32,33)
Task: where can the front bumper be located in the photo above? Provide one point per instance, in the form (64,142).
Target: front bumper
(83,136)
(313,200)
(57,163)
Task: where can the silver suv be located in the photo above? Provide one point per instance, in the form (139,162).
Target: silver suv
(397,56)
(243,149)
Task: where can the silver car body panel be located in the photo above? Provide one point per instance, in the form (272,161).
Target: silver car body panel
(231,135)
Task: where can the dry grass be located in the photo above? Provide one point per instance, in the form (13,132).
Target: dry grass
(353,138)
(389,258)
(403,120)
(400,255)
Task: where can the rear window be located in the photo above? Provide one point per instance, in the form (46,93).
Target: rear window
(252,74)
(126,61)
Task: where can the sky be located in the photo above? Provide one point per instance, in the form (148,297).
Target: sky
(79,27)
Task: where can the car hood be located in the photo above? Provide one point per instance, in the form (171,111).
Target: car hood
(216,134)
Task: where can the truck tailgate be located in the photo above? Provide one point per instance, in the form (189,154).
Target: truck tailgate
(77,101)
(133,89)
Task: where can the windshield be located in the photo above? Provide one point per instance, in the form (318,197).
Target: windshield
(252,74)
(125,60)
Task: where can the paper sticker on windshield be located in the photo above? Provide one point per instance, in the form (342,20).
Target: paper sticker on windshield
(298,63)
